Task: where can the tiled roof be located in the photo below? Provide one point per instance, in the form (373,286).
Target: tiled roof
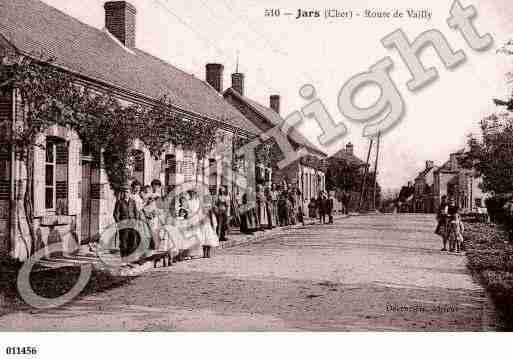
(425,171)
(275,119)
(35,28)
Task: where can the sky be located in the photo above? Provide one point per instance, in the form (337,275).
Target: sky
(280,55)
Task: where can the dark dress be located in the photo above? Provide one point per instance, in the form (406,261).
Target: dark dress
(269,209)
(222,205)
(321,208)
(126,210)
(247,215)
(283,209)
(329,209)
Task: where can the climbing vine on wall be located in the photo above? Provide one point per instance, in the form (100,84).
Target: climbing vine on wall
(50,96)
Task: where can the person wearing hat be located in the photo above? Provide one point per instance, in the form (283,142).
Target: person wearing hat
(125,209)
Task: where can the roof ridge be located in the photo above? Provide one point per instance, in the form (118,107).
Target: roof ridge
(165,62)
(32,26)
(252,104)
(62,13)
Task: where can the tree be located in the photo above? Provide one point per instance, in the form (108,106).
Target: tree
(343,176)
(492,156)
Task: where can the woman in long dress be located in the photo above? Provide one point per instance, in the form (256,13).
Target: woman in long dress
(188,223)
(269,208)
(209,237)
(261,208)
(274,200)
(143,237)
(283,208)
(247,215)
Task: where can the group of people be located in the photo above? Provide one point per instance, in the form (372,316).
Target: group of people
(187,226)
(322,207)
(190,224)
(275,206)
(281,205)
(450,226)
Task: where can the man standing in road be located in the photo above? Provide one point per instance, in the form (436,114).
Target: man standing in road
(321,208)
(329,207)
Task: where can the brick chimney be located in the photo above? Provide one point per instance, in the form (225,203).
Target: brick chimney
(238,82)
(214,76)
(453,161)
(120,21)
(350,148)
(274,103)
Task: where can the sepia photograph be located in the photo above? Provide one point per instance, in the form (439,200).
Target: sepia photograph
(242,166)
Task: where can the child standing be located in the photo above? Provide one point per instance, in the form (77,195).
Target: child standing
(456,234)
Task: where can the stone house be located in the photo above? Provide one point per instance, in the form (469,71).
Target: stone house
(73,199)
(454,181)
(349,196)
(424,195)
(303,173)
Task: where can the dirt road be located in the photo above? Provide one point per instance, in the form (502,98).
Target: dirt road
(362,273)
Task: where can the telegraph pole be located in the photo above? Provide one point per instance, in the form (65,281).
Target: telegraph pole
(364,179)
(376,172)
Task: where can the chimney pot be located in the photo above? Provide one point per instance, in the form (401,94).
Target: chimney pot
(453,160)
(350,148)
(120,21)
(214,76)
(238,82)
(274,103)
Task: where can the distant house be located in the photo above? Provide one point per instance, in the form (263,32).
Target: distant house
(346,160)
(347,155)
(458,183)
(424,195)
(71,194)
(405,202)
(309,178)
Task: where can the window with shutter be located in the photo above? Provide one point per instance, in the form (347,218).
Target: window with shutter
(56,176)
(212,177)
(138,172)
(171,166)
(171,163)
(188,167)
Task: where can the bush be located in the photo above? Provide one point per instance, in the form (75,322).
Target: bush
(490,258)
(495,207)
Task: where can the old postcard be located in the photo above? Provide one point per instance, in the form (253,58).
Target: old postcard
(248,166)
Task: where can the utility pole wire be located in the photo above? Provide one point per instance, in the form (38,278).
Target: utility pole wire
(190,27)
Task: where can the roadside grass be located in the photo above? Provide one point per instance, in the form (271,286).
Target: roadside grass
(50,284)
(490,258)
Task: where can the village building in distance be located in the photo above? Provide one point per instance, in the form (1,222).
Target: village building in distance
(451,179)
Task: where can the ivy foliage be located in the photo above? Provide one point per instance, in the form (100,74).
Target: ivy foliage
(51,97)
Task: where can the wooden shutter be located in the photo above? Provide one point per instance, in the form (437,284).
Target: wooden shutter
(74,177)
(39,176)
(61,178)
(148,168)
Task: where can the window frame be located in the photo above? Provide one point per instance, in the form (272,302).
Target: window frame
(54,142)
